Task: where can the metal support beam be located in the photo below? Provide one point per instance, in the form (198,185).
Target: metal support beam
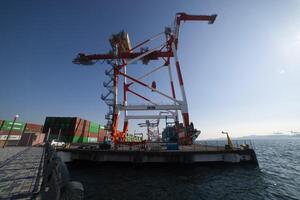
(148,107)
(149,116)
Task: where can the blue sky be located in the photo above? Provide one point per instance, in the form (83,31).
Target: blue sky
(242,74)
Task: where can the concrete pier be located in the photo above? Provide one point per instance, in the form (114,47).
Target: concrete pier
(183,156)
(20,172)
(35,173)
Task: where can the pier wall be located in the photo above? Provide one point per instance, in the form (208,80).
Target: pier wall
(237,156)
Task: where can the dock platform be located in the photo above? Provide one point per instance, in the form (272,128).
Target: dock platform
(35,173)
(192,154)
(20,172)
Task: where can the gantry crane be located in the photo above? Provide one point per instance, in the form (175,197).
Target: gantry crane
(152,129)
(123,55)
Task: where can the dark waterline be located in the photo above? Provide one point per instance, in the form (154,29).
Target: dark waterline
(278,177)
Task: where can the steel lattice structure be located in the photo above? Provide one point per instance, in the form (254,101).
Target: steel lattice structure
(122,56)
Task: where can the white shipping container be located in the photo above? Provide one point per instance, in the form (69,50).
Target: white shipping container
(11,137)
(92,139)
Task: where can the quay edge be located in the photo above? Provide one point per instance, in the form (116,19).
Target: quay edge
(238,156)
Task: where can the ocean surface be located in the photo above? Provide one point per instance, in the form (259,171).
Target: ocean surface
(277,177)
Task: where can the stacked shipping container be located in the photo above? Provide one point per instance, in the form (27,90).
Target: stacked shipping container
(18,132)
(32,135)
(67,129)
(33,128)
(73,130)
(81,129)
(15,131)
(31,138)
(93,132)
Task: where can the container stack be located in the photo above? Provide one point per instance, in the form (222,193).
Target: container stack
(73,130)
(33,128)
(80,133)
(32,135)
(20,133)
(14,131)
(93,132)
(102,134)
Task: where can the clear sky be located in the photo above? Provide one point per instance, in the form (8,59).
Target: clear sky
(242,74)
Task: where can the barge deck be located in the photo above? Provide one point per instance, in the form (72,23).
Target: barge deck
(192,154)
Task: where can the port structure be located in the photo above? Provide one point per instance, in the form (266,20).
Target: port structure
(122,55)
(152,129)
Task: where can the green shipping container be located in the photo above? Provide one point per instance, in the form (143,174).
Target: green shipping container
(77,139)
(94,127)
(59,122)
(49,121)
(18,126)
(73,129)
(85,140)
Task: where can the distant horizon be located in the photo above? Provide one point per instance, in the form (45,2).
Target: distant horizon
(221,136)
(253,136)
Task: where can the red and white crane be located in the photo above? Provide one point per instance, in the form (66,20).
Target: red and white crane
(122,56)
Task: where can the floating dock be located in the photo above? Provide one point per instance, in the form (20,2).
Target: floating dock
(190,154)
